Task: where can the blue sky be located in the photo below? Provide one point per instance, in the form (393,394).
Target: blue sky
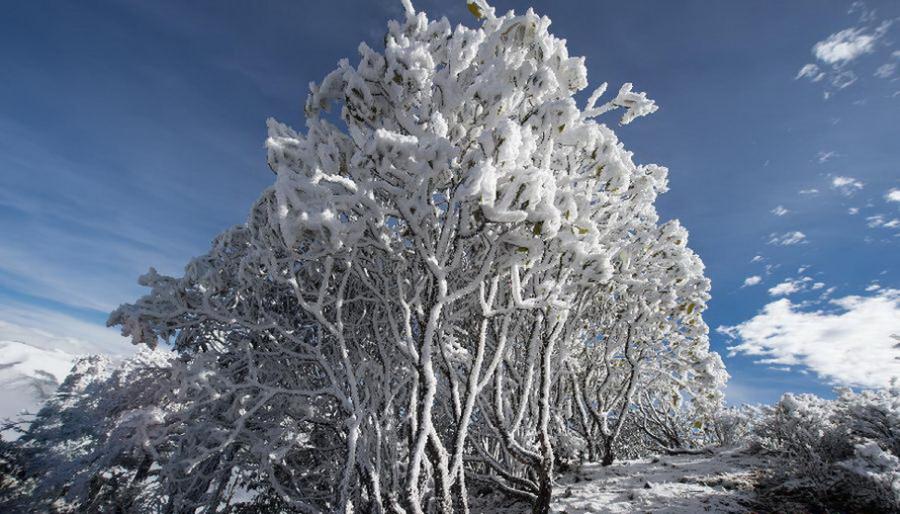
(131,133)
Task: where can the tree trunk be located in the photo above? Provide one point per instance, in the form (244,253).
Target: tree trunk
(608,456)
(441,487)
(545,471)
(545,483)
(461,493)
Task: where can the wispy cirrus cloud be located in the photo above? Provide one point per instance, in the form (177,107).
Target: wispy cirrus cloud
(880,221)
(787,239)
(886,71)
(86,246)
(810,71)
(824,157)
(875,221)
(780,211)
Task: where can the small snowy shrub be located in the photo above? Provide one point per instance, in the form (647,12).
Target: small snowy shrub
(842,452)
(730,426)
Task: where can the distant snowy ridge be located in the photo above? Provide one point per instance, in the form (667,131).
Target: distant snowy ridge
(29,375)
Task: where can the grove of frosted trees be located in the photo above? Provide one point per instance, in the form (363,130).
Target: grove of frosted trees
(457,283)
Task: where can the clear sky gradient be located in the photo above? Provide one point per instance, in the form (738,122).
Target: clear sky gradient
(131,133)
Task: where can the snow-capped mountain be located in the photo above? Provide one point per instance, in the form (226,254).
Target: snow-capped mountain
(28,376)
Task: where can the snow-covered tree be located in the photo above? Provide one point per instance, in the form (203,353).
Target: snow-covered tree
(435,290)
(650,345)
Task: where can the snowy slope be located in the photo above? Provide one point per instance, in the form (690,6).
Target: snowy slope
(28,375)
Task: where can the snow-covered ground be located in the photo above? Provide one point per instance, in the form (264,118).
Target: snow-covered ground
(682,484)
(28,375)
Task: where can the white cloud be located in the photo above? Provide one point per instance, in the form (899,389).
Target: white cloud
(780,211)
(846,45)
(849,346)
(893,195)
(846,185)
(752,281)
(812,191)
(824,157)
(789,287)
(865,14)
(756,258)
(788,238)
(810,71)
(886,71)
(873,287)
(836,54)
(817,286)
(843,79)
(879,221)
(853,211)
(783,289)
